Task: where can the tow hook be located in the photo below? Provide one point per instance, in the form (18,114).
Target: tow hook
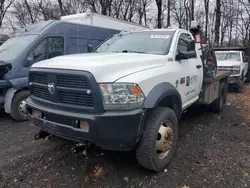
(42,135)
(82,147)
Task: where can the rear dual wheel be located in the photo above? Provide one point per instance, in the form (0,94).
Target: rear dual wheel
(218,104)
(159,139)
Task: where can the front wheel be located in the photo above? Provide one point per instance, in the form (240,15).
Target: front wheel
(18,106)
(159,139)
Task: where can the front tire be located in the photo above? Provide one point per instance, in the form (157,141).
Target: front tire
(18,103)
(159,139)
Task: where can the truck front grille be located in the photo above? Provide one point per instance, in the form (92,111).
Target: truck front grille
(39,78)
(71,89)
(74,82)
(40,92)
(76,98)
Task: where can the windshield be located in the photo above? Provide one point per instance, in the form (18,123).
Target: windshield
(228,56)
(149,42)
(14,46)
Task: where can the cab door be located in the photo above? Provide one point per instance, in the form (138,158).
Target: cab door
(191,71)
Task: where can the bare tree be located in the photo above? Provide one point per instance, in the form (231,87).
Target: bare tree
(192,9)
(24,12)
(142,9)
(61,7)
(29,11)
(217,22)
(4,6)
(168,13)
(206,5)
(106,6)
(159,13)
(179,13)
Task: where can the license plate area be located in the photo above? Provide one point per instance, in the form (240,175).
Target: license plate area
(62,120)
(36,113)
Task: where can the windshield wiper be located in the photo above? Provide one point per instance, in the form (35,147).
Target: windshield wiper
(131,51)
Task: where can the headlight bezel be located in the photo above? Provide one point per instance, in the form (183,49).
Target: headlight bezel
(124,99)
(235,68)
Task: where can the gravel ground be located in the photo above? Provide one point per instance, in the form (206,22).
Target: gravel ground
(213,151)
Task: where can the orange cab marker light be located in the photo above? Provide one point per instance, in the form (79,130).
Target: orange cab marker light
(136,91)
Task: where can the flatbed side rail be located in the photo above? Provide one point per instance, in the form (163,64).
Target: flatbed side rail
(219,76)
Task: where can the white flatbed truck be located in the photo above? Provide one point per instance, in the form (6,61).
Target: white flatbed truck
(127,95)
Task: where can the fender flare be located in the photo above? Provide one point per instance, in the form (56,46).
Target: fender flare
(8,99)
(20,83)
(159,93)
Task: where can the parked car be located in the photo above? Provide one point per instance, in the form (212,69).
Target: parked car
(235,60)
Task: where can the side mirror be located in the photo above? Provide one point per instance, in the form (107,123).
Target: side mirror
(90,48)
(181,56)
(30,59)
(246,59)
(191,45)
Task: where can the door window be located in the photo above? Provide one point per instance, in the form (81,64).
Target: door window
(48,48)
(40,51)
(55,47)
(182,42)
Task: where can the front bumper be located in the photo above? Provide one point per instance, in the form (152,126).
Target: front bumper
(110,130)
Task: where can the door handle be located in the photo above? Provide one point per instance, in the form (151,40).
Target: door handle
(198,66)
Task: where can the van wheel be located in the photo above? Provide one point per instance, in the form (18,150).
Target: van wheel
(159,139)
(217,105)
(18,105)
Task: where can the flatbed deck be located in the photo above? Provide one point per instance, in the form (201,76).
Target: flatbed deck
(211,87)
(219,75)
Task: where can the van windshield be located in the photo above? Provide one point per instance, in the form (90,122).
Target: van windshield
(149,42)
(10,49)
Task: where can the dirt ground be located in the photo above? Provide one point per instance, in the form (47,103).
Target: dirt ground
(213,151)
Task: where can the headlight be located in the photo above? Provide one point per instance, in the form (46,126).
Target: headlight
(235,68)
(125,96)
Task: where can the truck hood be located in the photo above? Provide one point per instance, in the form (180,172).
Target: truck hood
(228,63)
(106,67)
